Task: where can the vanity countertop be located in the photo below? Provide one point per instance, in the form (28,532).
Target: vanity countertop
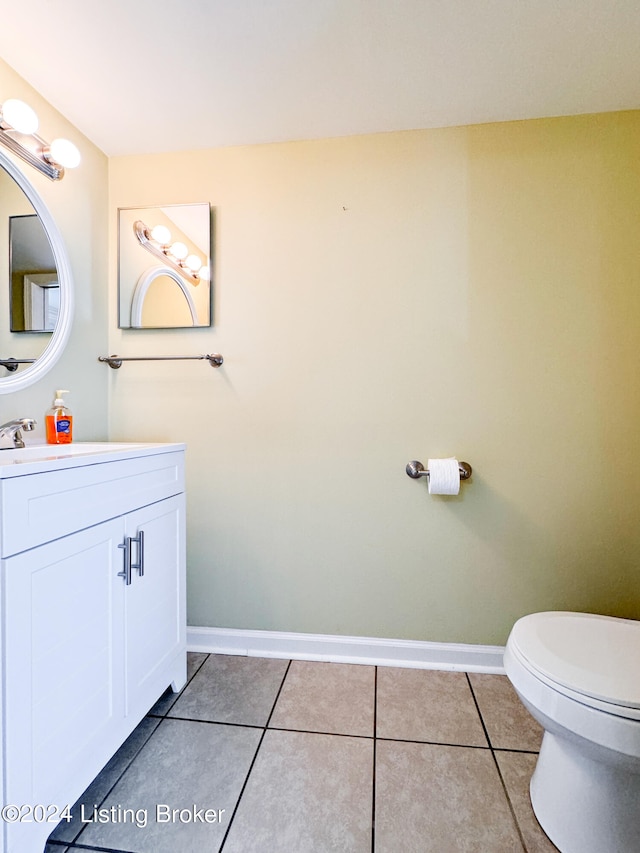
(40,458)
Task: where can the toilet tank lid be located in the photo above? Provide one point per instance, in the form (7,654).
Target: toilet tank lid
(594,655)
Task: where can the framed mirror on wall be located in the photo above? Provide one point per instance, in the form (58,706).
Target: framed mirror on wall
(164,266)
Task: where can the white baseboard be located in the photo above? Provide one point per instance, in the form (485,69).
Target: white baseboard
(338,649)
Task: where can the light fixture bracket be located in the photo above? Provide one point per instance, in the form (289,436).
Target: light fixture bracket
(143,235)
(31,148)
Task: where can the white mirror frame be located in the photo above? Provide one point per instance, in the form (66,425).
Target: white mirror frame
(144,283)
(59,337)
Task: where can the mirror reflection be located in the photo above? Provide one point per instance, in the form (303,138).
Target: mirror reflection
(164,267)
(29,291)
(35,292)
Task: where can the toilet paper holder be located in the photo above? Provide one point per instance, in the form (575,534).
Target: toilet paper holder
(416,470)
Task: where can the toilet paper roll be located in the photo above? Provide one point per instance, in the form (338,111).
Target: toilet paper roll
(444,477)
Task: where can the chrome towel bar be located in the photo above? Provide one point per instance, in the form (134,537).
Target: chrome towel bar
(115,361)
(416,470)
(12,363)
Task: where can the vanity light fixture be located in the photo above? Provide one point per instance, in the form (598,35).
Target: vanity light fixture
(193,262)
(157,240)
(18,126)
(179,251)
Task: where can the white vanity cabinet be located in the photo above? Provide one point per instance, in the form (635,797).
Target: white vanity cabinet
(93,612)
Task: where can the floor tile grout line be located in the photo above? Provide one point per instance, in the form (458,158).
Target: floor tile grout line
(348,735)
(76,846)
(270,728)
(479,712)
(517,751)
(215,722)
(433,743)
(255,758)
(511,809)
(180,692)
(275,701)
(158,717)
(495,761)
(201,664)
(188,682)
(373,782)
(242,790)
(116,782)
(314,732)
(149,715)
(352,735)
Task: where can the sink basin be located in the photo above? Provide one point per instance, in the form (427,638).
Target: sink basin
(36,458)
(54,451)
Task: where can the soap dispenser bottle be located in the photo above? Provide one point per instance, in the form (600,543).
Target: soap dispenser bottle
(59,421)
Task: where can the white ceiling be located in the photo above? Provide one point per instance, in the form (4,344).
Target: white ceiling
(140,76)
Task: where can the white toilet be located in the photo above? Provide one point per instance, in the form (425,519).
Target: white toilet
(579,676)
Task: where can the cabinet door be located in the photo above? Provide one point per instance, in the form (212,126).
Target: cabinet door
(64,700)
(154,602)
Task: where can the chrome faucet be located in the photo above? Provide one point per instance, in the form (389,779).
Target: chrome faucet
(12,430)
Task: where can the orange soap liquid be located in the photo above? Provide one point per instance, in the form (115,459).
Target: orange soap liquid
(59,428)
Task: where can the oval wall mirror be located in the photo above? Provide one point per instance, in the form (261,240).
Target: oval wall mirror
(38,298)
(162,297)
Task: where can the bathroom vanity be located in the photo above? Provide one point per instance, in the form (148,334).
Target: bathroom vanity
(92,543)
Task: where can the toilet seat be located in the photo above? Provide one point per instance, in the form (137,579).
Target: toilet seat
(579,677)
(594,660)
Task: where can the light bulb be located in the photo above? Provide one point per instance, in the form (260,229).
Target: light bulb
(204,272)
(179,251)
(19,115)
(161,234)
(193,262)
(64,153)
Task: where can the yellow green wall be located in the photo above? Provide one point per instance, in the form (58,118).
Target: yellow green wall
(468,291)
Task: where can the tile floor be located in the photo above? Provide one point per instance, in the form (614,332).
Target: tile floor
(260,755)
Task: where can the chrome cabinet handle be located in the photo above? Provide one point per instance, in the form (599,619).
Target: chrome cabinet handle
(126,573)
(139,566)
